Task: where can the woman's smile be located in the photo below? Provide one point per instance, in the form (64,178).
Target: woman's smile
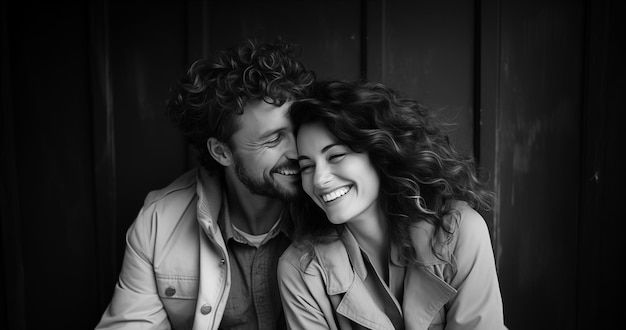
(334,195)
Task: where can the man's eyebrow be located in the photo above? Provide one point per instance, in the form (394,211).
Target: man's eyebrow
(270,133)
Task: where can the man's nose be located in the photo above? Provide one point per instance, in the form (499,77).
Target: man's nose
(291,152)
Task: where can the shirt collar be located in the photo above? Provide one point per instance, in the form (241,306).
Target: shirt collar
(227,227)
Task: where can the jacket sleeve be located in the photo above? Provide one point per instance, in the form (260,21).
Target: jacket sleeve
(300,304)
(136,303)
(478,303)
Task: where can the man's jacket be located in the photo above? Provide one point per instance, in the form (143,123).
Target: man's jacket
(176,272)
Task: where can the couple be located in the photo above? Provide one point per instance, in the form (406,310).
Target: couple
(319,205)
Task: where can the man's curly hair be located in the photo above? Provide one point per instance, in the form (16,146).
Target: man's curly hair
(207,100)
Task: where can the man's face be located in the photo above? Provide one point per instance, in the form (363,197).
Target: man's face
(264,151)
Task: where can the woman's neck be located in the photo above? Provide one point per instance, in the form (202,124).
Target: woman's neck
(371,234)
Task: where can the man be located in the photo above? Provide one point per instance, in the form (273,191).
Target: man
(203,251)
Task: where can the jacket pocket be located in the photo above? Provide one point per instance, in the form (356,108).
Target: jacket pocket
(178,295)
(177,286)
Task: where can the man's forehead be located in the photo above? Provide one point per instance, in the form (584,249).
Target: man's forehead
(260,118)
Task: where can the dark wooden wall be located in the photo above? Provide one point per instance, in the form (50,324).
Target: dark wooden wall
(533,86)
(537,156)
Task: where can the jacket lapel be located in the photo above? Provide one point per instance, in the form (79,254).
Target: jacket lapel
(358,306)
(214,279)
(425,294)
(344,270)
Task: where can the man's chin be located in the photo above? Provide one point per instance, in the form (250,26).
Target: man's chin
(287,192)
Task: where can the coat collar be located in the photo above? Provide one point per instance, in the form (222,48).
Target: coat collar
(211,200)
(209,192)
(421,236)
(344,271)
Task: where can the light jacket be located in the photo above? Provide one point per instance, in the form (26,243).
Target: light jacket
(176,272)
(329,293)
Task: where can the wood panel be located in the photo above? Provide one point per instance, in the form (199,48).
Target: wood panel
(11,258)
(103,123)
(602,178)
(426,51)
(487,87)
(148,53)
(328,31)
(537,157)
(49,79)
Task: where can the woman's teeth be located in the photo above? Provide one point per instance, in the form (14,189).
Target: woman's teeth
(335,194)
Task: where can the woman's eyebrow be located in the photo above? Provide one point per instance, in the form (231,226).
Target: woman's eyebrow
(330,146)
(323,150)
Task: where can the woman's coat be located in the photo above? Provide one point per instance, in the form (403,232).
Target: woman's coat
(329,293)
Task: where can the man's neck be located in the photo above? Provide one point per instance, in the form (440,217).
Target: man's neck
(254,214)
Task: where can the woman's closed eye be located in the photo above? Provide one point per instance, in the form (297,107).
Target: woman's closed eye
(335,158)
(305,167)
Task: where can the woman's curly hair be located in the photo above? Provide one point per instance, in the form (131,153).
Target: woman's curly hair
(207,100)
(421,174)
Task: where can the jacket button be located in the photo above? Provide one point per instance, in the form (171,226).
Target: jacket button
(206,309)
(222,262)
(170,291)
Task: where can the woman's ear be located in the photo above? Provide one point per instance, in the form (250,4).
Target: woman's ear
(220,151)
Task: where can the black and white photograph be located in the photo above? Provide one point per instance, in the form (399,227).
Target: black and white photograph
(312,164)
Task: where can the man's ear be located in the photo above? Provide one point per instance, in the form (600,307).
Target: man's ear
(220,151)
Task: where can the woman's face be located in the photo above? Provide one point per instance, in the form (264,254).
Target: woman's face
(341,182)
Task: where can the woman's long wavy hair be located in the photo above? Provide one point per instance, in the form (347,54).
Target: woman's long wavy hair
(421,174)
(207,101)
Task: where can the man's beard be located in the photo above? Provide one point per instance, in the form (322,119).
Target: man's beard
(264,186)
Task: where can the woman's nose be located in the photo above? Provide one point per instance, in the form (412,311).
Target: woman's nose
(323,176)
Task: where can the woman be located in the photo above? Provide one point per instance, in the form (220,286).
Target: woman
(388,237)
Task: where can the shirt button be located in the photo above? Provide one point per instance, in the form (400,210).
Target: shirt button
(170,291)
(205,309)
(222,262)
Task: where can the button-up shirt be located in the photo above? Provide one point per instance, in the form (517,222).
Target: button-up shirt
(254,300)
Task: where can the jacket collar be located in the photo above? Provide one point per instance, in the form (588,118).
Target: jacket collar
(421,237)
(344,270)
(212,199)
(209,192)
